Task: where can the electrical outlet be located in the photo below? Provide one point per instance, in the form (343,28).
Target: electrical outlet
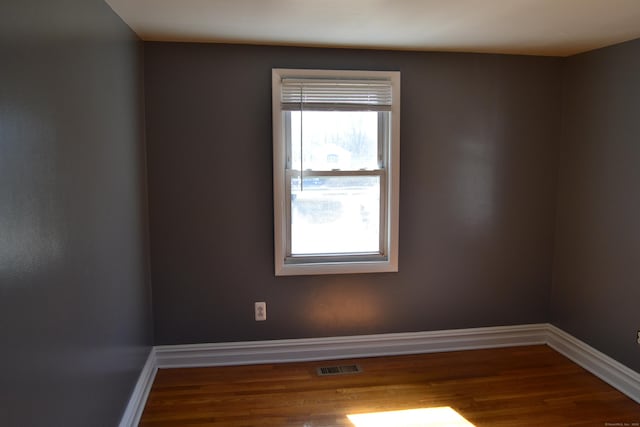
(260,311)
(638,337)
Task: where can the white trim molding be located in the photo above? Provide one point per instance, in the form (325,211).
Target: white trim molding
(307,349)
(138,399)
(614,373)
(599,364)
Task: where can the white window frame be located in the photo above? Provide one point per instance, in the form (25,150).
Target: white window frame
(348,263)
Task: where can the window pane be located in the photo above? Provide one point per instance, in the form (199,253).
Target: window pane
(334,215)
(345,140)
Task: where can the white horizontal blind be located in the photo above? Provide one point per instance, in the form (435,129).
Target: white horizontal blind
(344,94)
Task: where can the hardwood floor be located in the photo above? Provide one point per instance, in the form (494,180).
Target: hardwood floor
(519,386)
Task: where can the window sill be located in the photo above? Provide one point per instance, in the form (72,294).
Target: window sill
(337,268)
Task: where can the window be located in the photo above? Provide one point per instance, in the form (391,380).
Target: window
(336,158)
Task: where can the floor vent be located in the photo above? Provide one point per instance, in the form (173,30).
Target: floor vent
(339,370)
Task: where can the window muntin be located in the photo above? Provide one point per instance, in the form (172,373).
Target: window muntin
(336,155)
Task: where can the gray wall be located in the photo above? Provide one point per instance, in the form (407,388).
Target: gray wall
(596,285)
(75,312)
(477,204)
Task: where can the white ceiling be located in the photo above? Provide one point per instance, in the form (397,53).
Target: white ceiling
(533,27)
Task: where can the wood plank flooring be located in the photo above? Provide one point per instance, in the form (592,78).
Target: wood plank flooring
(518,386)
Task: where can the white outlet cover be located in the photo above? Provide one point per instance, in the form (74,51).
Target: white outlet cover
(260,311)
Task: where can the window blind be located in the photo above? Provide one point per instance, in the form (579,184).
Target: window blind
(324,94)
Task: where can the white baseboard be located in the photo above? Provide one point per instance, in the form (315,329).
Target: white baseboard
(299,350)
(308,349)
(599,364)
(138,400)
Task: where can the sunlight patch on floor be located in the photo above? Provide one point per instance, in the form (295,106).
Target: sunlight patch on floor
(423,417)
